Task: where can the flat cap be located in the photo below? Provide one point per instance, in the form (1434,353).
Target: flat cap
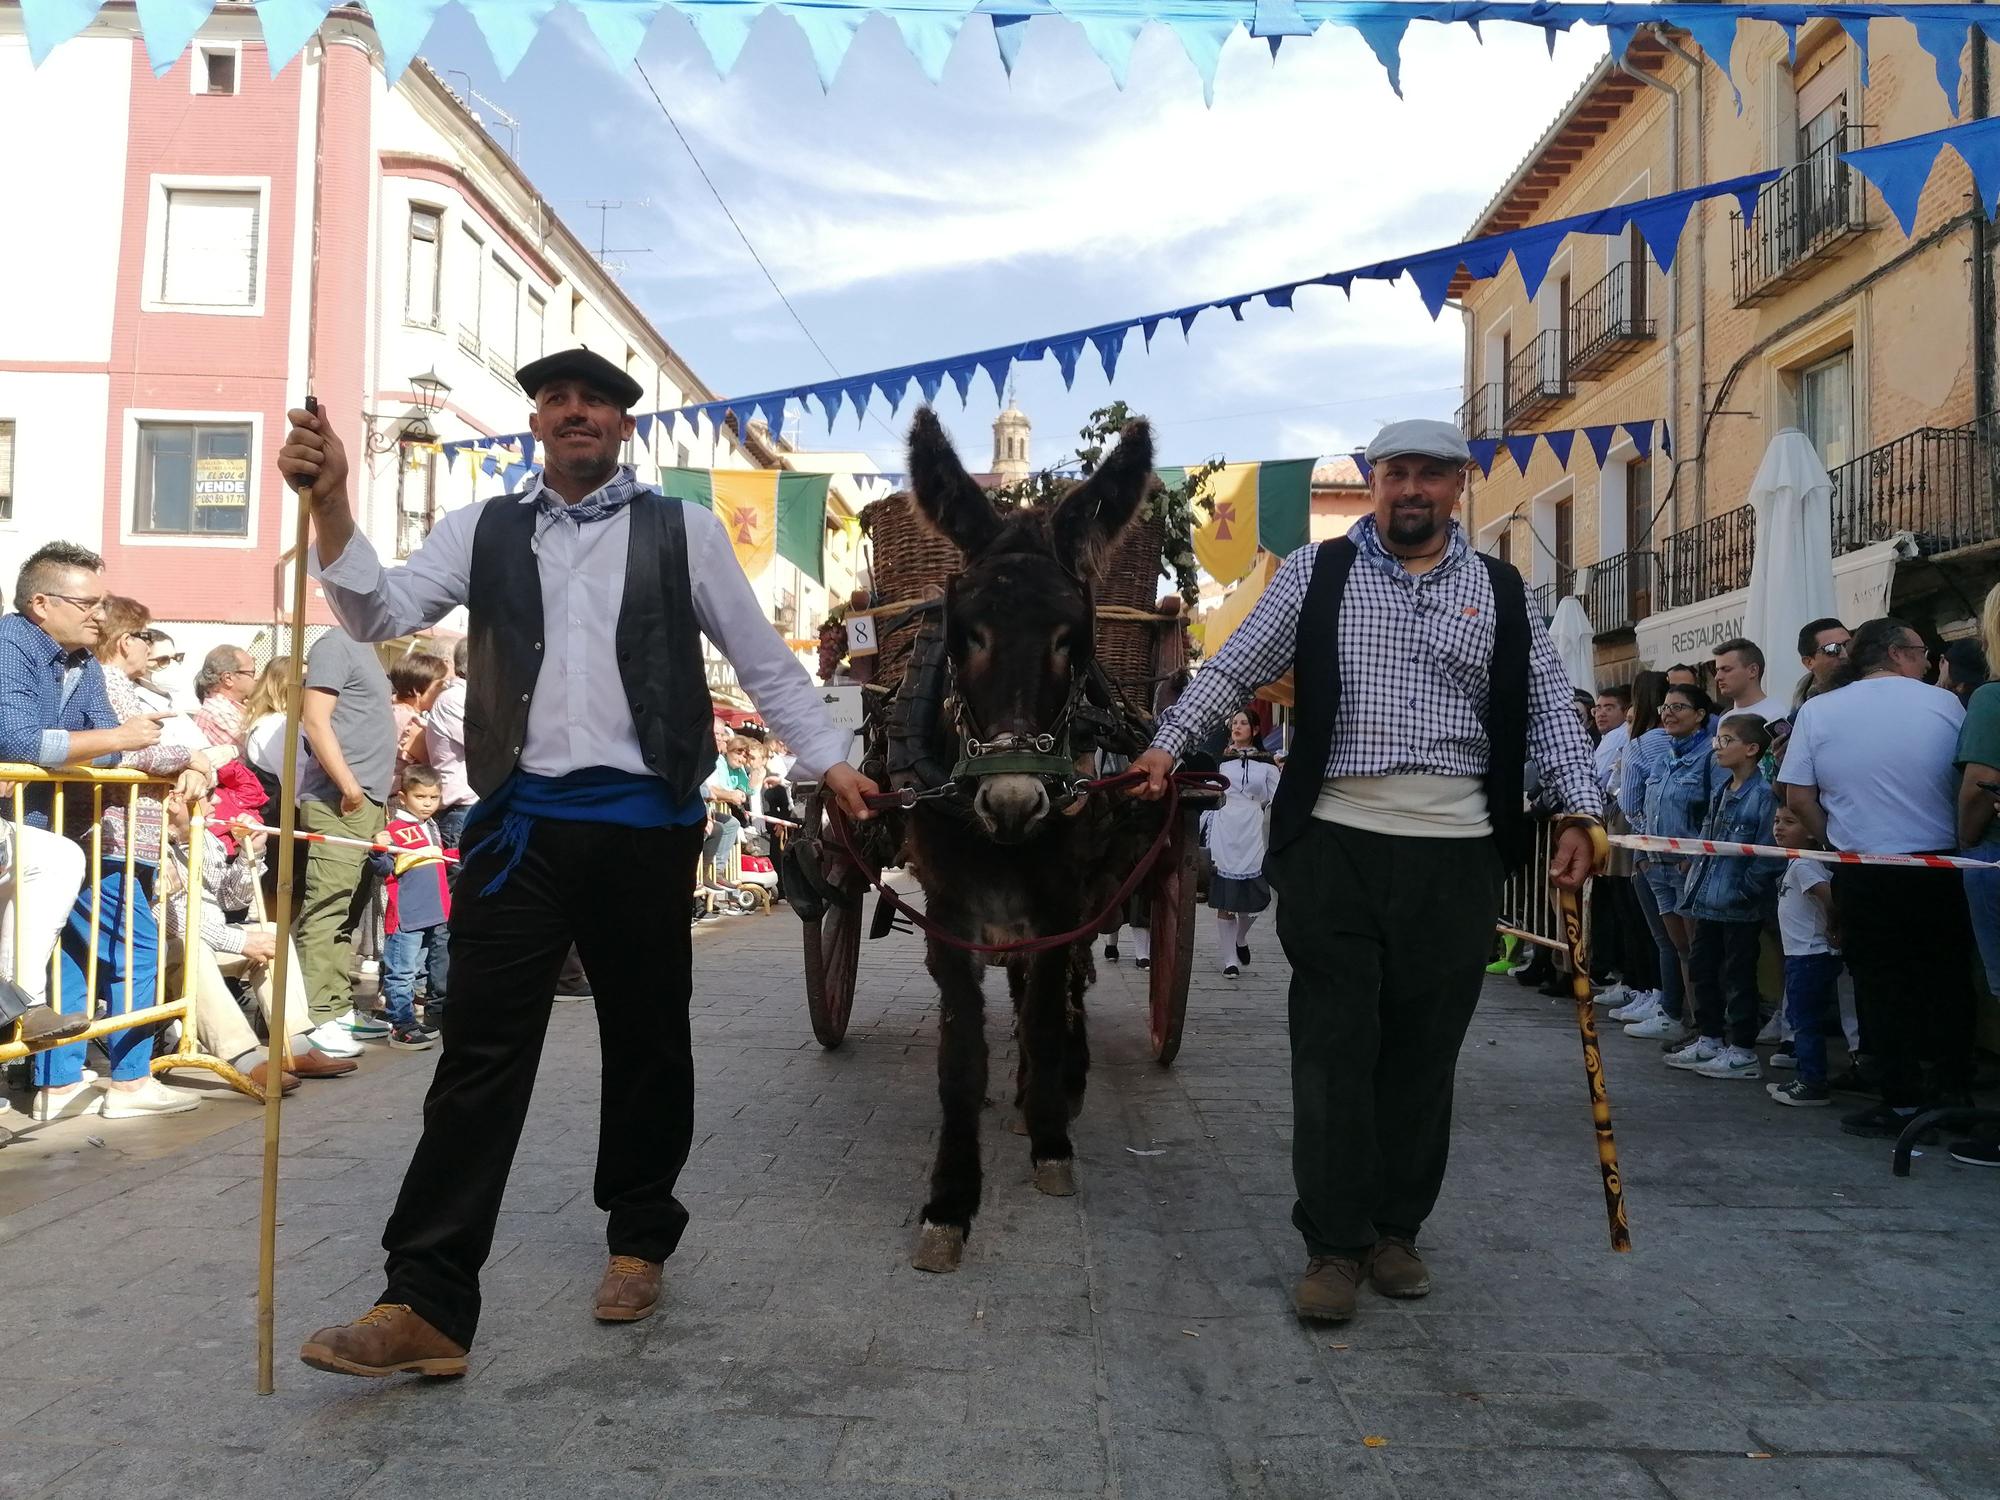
(593,370)
(1424,436)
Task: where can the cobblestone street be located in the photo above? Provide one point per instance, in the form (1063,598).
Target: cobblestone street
(1792,1322)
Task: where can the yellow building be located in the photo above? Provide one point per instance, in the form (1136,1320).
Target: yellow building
(1820,314)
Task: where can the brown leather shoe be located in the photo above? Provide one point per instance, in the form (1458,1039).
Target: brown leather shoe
(1327,1291)
(307,1063)
(629,1291)
(388,1338)
(1396,1270)
(262,1071)
(42,1027)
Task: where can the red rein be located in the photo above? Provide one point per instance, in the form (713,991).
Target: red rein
(1202,781)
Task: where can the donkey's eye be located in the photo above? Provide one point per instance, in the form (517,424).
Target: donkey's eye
(1061,642)
(981,638)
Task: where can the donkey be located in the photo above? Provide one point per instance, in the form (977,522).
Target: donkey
(1025,858)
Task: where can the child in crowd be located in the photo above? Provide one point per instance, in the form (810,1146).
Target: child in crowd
(1812,964)
(419,907)
(1725,897)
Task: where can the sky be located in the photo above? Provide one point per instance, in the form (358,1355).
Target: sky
(908,221)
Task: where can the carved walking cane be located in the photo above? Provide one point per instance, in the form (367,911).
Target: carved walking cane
(1586,1023)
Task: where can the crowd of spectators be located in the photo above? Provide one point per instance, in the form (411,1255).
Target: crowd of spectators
(1737,966)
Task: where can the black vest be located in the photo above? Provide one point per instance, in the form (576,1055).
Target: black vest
(658,641)
(1316,689)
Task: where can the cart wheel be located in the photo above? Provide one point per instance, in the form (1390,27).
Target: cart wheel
(833,952)
(1172,922)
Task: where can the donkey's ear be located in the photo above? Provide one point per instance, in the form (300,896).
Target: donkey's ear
(950,499)
(1093,514)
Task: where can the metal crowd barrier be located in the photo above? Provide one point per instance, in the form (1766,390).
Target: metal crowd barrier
(165,1008)
(1528,906)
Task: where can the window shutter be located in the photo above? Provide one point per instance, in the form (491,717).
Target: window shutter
(211,248)
(423,293)
(6,470)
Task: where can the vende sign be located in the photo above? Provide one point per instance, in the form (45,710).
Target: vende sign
(1860,592)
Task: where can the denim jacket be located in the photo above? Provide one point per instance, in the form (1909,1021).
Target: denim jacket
(1729,887)
(1680,788)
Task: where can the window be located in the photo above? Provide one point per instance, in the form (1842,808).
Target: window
(472,261)
(1504,548)
(500,314)
(1565,546)
(535,337)
(210,248)
(681,455)
(1639,504)
(1826,407)
(193,479)
(6,471)
(420,306)
(214,70)
(416,500)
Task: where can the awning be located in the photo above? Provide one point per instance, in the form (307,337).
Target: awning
(1690,634)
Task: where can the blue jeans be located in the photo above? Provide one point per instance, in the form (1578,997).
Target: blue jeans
(402,952)
(1673,994)
(1811,999)
(1982,897)
(131,1050)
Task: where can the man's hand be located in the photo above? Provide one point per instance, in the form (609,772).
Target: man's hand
(192,785)
(1158,766)
(140,732)
(351,798)
(1573,859)
(312,452)
(260,946)
(849,787)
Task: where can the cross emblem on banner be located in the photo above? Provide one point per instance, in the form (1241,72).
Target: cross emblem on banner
(1225,517)
(744,517)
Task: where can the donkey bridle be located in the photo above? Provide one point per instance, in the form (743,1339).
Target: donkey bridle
(1048,753)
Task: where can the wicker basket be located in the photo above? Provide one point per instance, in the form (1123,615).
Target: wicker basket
(1130,579)
(912,562)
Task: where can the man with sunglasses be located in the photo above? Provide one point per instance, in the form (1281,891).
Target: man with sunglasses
(1822,652)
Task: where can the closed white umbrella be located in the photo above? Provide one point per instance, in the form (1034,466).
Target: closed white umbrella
(1570,634)
(1791,572)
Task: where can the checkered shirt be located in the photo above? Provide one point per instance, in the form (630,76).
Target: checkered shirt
(1416,664)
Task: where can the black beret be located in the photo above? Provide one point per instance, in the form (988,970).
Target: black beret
(580,364)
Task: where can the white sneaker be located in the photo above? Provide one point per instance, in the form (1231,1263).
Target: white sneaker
(363,1024)
(1730,1062)
(151,1097)
(1613,995)
(1655,1028)
(1638,1005)
(65,1103)
(1773,1032)
(335,1040)
(1702,1049)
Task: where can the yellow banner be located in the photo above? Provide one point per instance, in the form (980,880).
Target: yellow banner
(746,502)
(1226,543)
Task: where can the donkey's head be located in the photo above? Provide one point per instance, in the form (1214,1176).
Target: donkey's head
(1018,618)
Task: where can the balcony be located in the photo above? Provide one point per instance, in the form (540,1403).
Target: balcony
(1542,599)
(1608,320)
(1709,558)
(1622,591)
(1537,378)
(1481,416)
(1937,483)
(1810,212)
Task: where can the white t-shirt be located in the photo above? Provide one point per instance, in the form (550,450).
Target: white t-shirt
(1881,751)
(264,745)
(1802,924)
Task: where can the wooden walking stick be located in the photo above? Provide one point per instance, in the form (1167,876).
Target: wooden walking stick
(1571,902)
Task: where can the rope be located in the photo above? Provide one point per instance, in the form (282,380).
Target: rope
(1659,844)
(1197,781)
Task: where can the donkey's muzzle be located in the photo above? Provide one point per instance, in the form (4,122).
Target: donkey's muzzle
(1009,807)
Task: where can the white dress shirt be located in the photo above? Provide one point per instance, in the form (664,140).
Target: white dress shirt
(579,716)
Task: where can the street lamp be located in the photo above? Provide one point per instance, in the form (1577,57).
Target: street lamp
(427,393)
(431,389)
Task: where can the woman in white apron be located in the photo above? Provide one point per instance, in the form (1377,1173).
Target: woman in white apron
(1236,843)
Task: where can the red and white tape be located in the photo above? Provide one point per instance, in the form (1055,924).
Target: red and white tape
(1656,844)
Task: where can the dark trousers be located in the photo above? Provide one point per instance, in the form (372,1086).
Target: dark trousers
(602,888)
(1907,938)
(1639,963)
(1723,964)
(1387,939)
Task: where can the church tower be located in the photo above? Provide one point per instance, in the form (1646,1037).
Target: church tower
(1010,442)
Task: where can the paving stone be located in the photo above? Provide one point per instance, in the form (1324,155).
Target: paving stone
(176,1473)
(27,1467)
(972,1456)
(1787,1477)
(1449,1474)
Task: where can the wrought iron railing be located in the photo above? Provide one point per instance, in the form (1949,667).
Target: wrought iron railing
(1937,483)
(1622,591)
(1537,376)
(1608,319)
(1807,211)
(1709,558)
(1482,416)
(1543,597)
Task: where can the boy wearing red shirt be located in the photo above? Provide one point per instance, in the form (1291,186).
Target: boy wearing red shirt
(419,908)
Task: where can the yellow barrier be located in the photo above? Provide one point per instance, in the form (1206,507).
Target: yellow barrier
(163,1010)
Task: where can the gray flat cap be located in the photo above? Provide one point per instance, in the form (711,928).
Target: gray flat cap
(1420,435)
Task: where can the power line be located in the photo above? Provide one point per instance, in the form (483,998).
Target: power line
(716,193)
